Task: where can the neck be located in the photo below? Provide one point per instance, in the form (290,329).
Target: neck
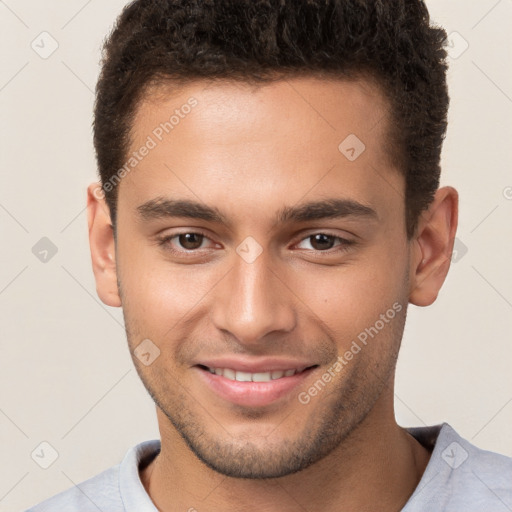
(377,467)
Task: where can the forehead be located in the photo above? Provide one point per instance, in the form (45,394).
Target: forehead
(256,145)
(322,105)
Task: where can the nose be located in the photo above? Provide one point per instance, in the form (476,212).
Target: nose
(252,301)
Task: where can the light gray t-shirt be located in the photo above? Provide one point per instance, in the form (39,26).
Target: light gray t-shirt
(459,478)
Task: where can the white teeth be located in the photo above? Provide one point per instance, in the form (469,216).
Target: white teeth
(261,377)
(229,374)
(254,377)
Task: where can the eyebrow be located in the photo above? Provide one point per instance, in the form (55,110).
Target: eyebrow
(332,208)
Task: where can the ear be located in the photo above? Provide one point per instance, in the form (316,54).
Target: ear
(432,247)
(102,244)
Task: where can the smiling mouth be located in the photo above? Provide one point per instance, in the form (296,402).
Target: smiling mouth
(242,376)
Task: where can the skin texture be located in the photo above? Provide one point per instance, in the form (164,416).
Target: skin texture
(249,152)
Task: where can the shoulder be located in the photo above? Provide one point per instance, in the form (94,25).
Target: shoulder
(461,476)
(101,492)
(111,490)
(458,452)
(485,474)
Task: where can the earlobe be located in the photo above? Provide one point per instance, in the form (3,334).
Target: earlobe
(432,247)
(102,245)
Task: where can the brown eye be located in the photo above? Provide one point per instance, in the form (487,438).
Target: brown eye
(190,241)
(183,244)
(321,241)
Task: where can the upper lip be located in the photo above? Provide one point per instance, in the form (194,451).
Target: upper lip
(256,365)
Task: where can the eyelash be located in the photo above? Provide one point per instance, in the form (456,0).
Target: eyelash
(165,242)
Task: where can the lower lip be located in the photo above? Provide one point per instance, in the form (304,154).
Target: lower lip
(252,394)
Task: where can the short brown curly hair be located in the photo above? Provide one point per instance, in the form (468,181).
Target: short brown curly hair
(391,41)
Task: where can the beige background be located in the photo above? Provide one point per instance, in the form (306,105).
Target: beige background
(66,376)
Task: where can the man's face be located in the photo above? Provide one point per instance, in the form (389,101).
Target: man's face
(260,290)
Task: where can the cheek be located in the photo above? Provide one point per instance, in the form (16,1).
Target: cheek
(148,291)
(351,297)
(160,296)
